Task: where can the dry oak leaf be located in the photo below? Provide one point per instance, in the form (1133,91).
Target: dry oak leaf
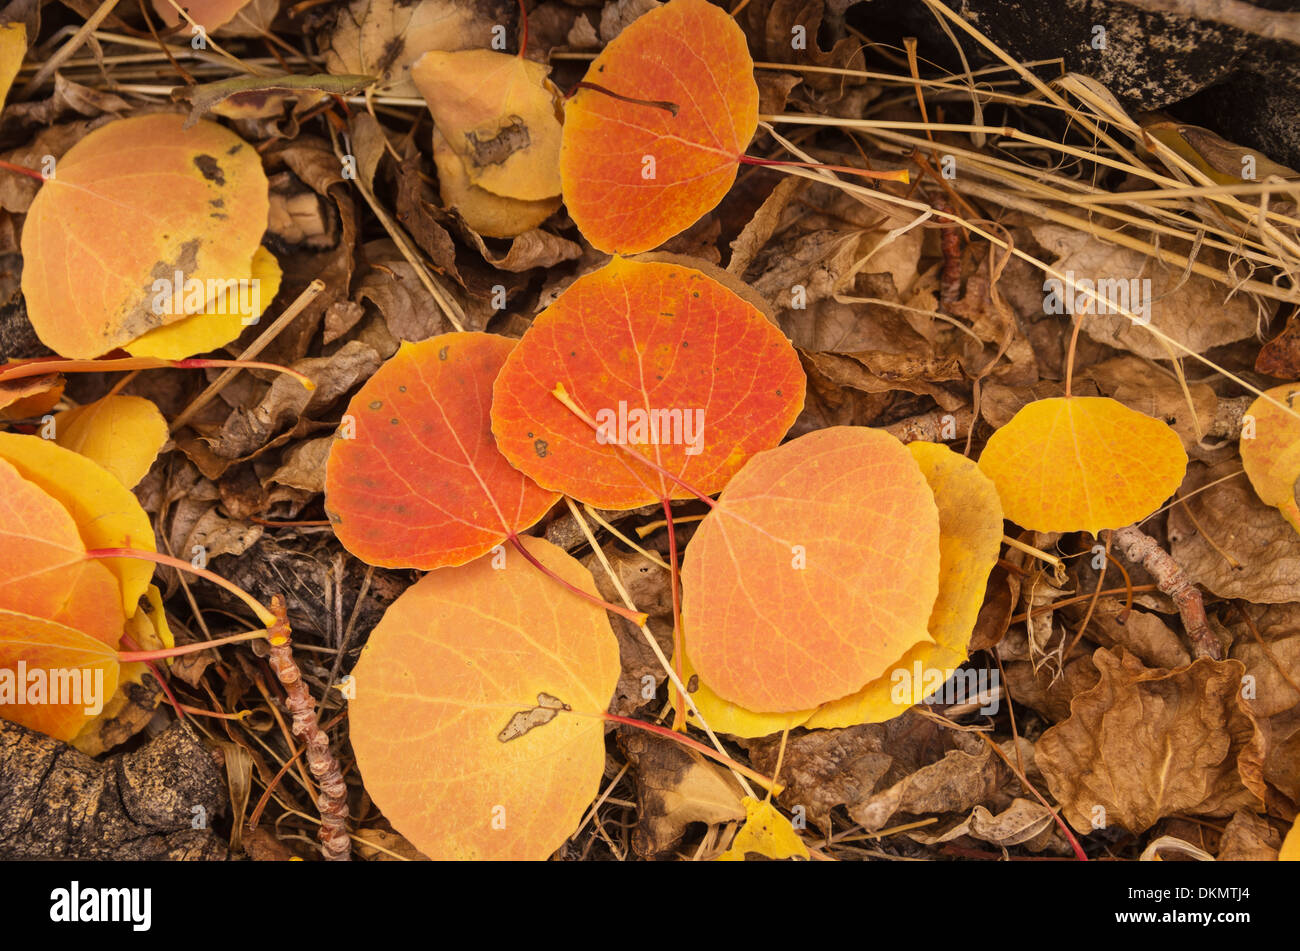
(43,566)
(60,663)
(668,362)
(124,434)
(420,483)
(498,114)
(107,515)
(766,832)
(970,538)
(1147,743)
(1270,453)
(1082,463)
(455,657)
(135,202)
(637,173)
(815,571)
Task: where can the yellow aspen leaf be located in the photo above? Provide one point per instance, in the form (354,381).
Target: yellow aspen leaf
(970,538)
(1290,851)
(1270,450)
(1083,463)
(124,434)
(135,202)
(493,216)
(236,306)
(497,112)
(477,720)
(765,832)
(106,513)
(13,47)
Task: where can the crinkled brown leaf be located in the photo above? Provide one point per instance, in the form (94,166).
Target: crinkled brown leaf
(1148,743)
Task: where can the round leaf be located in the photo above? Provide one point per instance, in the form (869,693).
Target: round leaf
(135,202)
(1083,463)
(701,369)
(124,434)
(636,174)
(815,572)
(421,484)
(440,688)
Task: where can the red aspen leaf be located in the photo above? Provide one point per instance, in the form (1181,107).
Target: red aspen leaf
(107,515)
(448,671)
(636,174)
(43,568)
(421,484)
(137,201)
(1270,450)
(1082,463)
(497,112)
(46,652)
(124,434)
(970,540)
(639,343)
(815,572)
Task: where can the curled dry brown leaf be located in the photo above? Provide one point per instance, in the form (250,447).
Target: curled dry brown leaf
(1148,743)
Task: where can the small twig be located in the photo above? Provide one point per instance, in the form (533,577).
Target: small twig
(333,801)
(1141,549)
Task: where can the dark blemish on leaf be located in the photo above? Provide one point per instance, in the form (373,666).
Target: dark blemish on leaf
(695,293)
(530,435)
(401,389)
(600,69)
(376,404)
(234,148)
(685,343)
(209,168)
(659,376)
(666,313)
(217,202)
(573,353)
(442,354)
(778,392)
(693,684)
(512,137)
(547,709)
(539,447)
(394,421)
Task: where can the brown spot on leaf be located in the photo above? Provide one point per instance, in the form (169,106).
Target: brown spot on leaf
(547,709)
(209,168)
(512,137)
